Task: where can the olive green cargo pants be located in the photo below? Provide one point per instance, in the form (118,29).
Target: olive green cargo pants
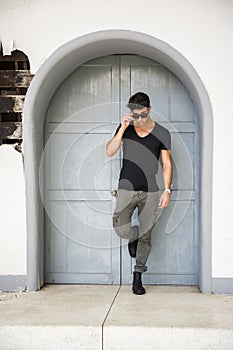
(147,204)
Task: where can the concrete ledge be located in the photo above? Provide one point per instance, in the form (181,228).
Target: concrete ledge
(66,317)
(50,338)
(94,317)
(114,338)
(150,338)
(222,285)
(12,283)
(169,317)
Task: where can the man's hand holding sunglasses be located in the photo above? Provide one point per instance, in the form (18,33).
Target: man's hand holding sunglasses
(126,120)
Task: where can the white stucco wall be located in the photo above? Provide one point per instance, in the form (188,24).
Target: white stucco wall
(12,213)
(200,30)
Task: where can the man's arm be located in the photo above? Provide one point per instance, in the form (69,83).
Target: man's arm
(167,178)
(115,143)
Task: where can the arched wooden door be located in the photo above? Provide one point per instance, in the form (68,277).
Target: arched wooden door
(81,246)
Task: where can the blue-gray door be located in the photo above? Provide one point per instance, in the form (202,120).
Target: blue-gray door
(81,246)
(175,241)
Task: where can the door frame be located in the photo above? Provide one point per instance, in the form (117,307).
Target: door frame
(51,74)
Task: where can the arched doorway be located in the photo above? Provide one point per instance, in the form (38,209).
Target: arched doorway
(64,61)
(80,243)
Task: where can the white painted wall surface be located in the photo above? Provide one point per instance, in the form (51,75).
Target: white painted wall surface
(12,213)
(200,30)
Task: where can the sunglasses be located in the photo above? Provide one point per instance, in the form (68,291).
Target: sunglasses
(142,115)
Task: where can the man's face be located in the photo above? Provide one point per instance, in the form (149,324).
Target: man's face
(140,116)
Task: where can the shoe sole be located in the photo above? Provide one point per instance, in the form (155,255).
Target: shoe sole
(136,293)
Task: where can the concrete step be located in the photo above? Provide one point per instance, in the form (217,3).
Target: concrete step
(97,317)
(169,317)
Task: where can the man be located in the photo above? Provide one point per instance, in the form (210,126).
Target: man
(143,142)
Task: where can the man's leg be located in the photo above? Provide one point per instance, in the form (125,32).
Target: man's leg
(147,216)
(126,202)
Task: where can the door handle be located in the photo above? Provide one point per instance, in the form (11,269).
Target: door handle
(114,193)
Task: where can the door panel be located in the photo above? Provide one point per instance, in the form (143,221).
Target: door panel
(174,255)
(73,170)
(81,246)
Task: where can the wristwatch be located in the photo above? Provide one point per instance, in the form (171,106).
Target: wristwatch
(167,190)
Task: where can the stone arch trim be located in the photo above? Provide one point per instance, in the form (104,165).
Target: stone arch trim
(52,73)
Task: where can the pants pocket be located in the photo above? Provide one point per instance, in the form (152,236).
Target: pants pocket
(121,226)
(116,220)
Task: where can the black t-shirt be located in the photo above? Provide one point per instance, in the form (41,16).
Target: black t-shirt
(140,158)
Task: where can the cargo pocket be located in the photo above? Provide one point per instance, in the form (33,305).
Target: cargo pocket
(116,220)
(122,229)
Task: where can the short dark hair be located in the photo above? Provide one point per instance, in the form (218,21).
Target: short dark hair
(138,101)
